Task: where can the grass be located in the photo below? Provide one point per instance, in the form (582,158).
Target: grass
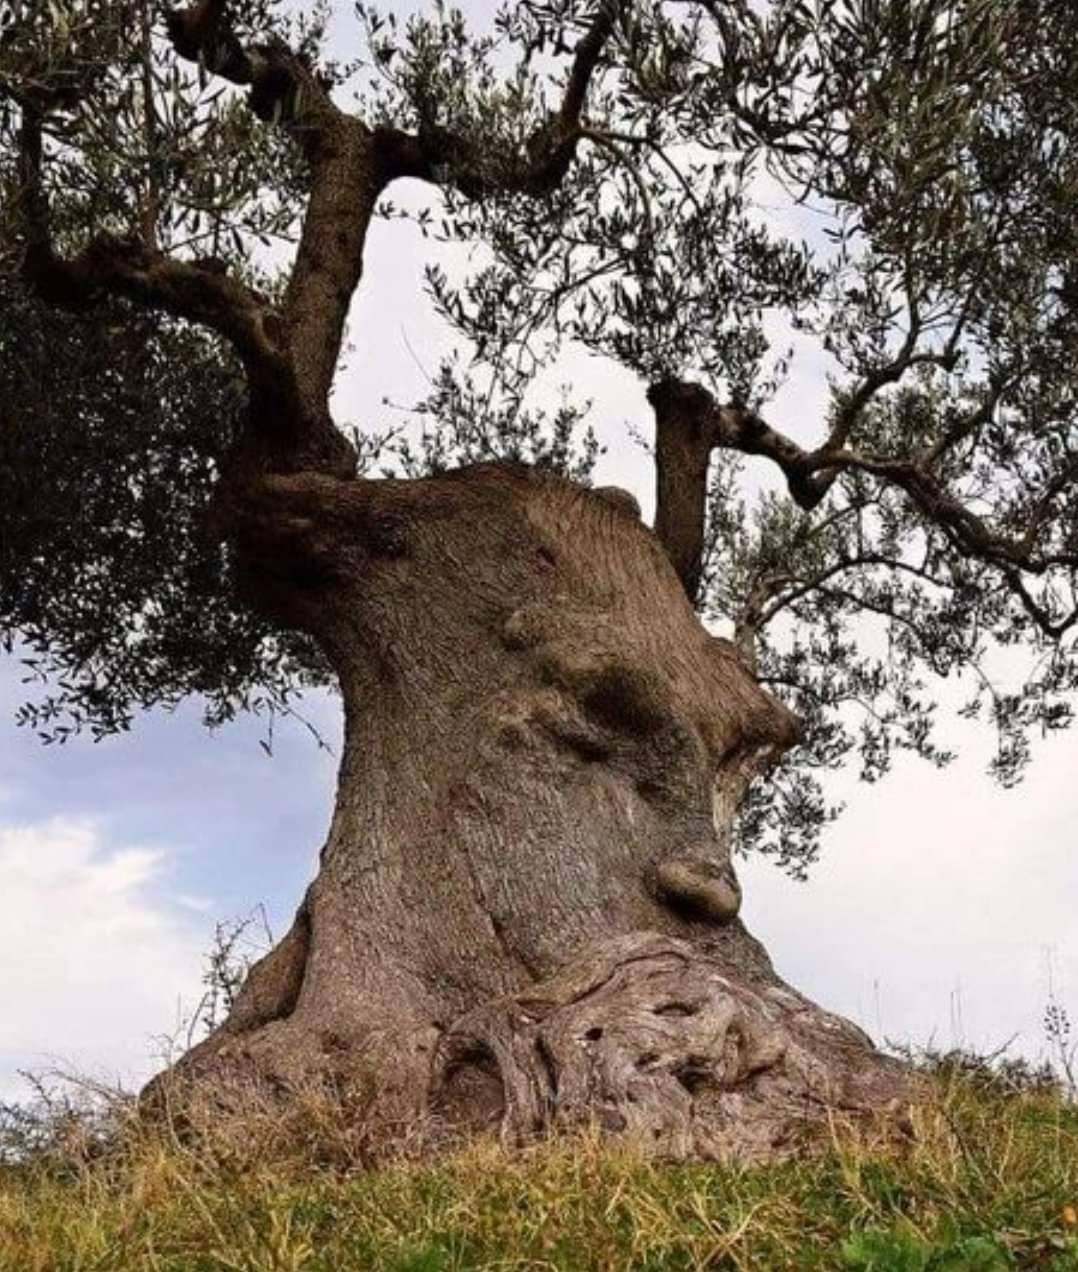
(988,1181)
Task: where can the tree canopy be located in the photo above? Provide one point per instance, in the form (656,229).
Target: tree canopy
(699,191)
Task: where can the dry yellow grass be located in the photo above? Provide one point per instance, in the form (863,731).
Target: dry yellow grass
(988,1181)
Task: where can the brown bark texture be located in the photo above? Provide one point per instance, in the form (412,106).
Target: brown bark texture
(525,917)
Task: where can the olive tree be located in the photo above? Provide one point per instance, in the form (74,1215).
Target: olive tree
(558,721)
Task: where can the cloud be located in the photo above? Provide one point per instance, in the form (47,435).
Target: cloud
(201,905)
(92,963)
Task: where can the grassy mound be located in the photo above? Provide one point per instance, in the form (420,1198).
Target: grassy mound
(987,1180)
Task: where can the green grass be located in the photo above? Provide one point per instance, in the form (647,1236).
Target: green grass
(987,1182)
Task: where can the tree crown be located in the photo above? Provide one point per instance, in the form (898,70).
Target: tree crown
(618,166)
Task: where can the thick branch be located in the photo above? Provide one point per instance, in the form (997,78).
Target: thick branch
(684,439)
(284,89)
(689,423)
(585,60)
(283,434)
(151,204)
(350,166)
(346,179)
(111,266)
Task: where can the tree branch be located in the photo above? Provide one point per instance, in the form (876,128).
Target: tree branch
(346,180)
(284,89)
(289,357)
(443,157)
(585,60)
(734,427)
(151,205)
(350,165)
(689,423)
(684,440)
(111,266)
(964,426)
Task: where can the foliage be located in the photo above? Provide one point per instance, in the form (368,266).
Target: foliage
(466,428)
(923,158)
(114,424)
(112,589)
(883,185)
(987,1181)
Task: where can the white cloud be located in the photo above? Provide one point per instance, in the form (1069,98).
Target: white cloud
(200,905)
(91,963)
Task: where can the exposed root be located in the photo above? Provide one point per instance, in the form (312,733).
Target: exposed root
(647,1036)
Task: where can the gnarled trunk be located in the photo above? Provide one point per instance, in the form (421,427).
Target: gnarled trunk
(526,914)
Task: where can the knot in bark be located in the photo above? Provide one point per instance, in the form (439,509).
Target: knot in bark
(706,889)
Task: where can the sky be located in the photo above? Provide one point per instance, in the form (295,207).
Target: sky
(941,910)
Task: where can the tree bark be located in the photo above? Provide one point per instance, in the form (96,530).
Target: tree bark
(526,914)
(685,436)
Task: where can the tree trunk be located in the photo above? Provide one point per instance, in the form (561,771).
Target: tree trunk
(526,915)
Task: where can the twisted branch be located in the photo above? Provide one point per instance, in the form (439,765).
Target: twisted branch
(690,423)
